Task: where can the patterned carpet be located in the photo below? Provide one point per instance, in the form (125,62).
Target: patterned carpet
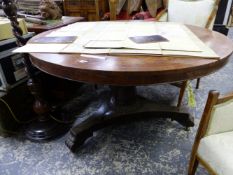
(155,146)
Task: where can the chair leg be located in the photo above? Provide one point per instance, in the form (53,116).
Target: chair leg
(193,166)
(198,83)
(182,91)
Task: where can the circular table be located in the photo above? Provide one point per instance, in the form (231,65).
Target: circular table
(136,70)
(124,73)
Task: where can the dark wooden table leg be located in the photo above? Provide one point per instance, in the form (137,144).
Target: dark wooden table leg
(121,105)
(198,83)
(43,128)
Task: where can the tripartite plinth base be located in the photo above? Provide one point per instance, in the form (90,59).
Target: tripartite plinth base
(121,105)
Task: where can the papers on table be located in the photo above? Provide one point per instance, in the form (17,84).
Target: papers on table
(55,40)
(41,48)
(105,44)
(114,38)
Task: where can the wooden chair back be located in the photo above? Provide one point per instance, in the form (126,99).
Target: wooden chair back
(209,20)
(214,99)
(213,14)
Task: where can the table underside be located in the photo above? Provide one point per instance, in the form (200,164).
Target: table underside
(119,105)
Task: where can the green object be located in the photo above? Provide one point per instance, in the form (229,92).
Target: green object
(191,96)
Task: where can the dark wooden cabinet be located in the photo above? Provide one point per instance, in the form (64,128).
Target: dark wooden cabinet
(90,9)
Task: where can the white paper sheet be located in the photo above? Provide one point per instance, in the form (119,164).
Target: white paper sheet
(134,52)
(112,38)
(77,48)
(42,48)
(179,39)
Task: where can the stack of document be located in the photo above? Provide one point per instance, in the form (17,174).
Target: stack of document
(130,37)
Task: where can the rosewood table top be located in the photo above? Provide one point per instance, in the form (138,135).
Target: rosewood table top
(136,70)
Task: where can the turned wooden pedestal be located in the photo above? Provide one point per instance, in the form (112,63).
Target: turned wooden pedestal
(119,105)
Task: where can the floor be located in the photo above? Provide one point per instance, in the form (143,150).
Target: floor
(156,146)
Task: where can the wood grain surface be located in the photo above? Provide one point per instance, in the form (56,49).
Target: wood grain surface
(136,70)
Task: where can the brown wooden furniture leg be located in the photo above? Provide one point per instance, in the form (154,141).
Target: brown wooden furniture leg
(198,83)
(193,166)
(120,105)
(182,91)
(43,128)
